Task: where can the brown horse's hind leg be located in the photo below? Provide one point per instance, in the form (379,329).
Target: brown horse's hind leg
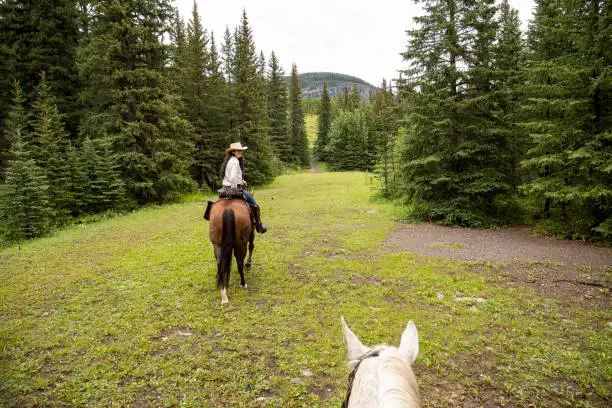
(251,246)
(240,253)
(221,281)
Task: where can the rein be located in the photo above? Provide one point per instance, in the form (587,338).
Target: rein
(351,377)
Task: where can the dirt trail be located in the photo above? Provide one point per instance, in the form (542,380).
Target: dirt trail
(506,245)
(569,271)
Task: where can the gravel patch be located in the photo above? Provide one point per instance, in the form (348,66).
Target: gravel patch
(506,245)
(572,272)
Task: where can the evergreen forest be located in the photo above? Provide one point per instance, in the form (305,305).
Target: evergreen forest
(490,126)
(108,106)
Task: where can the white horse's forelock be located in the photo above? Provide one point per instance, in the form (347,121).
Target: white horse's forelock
(384,376)
(397,384)
(385,382)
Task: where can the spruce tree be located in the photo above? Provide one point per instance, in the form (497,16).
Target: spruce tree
(324,123)
(354,98)
(178,68)
(277,110)
(195,92)
(455,156)
(346,104)
(569,117)
(249,116)
(37,36)
(384,128)
(347,148)
(508,86)
(130,102)
(49,142)
(297,123)
(227,55)
(99,186)
(218,115)
(24,205)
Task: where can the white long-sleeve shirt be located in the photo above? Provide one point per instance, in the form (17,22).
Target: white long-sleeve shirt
(233,173)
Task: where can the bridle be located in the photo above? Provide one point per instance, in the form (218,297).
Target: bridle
(351,377)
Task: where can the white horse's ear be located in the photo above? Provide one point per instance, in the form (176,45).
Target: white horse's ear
(354,348)
(409,346)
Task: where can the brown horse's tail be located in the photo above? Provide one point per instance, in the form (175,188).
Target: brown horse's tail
(227,246)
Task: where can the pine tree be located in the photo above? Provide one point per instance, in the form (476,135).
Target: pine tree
(484,159)
(348,141)
(227,55)
(218,113)
(249,116)
(49,141)
(195,92)
(346,104)
(262,65)
(178,68)
(37,36)
(384,129)
(324,123)
(297,123)
(354,98)
(24,205)
(130,102)
(277,110)
(508,86)
(569,117)
(455,157)
(99,186)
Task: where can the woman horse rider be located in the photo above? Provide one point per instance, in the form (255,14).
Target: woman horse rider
(232,171)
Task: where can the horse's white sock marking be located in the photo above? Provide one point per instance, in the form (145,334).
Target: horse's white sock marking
(224,298)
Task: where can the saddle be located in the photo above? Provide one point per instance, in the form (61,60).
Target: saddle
(229,194)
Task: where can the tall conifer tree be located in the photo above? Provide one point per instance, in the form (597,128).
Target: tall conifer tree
(385,128)
(227,55)
(277,110)
(130,101)
(24,205)
(569,116)
(37,36)
(508,85)
(297,123)
(218,115)
(455,158)
(249,116)
(98,184)
(354,98)
(324,123)
(196,96)
(49,142)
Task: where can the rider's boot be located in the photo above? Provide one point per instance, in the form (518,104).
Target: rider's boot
(258,225)
(207,212)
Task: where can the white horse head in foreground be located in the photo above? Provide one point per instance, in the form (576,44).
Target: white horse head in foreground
(382,375)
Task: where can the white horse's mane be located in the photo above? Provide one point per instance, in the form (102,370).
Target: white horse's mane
(385,381)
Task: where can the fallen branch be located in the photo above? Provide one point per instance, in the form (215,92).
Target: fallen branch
(599,285)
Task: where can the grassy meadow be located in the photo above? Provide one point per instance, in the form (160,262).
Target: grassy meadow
(125,312)
(312,123)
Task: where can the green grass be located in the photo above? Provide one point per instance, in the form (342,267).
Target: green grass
(125,312)
(312,123)
(456,245)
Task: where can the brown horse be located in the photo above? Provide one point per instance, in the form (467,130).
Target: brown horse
(231,231)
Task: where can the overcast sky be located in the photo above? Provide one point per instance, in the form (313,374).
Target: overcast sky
(362,38)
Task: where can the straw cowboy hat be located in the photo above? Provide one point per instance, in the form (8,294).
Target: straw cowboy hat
(236,146)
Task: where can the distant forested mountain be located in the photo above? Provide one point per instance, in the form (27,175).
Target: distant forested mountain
(312,84)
